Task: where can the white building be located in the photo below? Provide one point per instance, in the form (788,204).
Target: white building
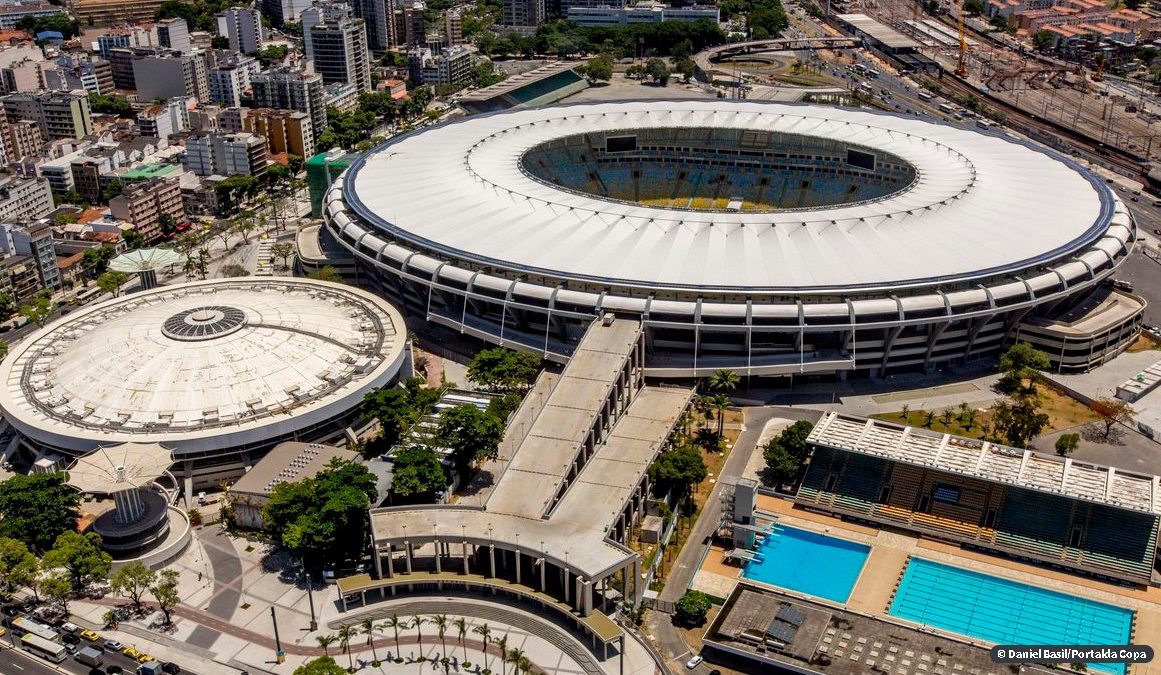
(452,66)
(24,199)
(226,154)
(230,78)
(243,27)
(164,119)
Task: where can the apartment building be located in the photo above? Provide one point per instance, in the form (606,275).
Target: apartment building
(226,154)
(243,27)
(286,89)
(171,75)
(24,199)
(59,114)
(339,50)
(143,203)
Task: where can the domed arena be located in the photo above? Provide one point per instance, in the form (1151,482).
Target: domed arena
(216,371)
(771,238)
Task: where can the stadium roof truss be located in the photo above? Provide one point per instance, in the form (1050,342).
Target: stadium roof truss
(991,462)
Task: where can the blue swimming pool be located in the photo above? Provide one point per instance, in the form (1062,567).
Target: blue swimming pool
(1006,612)
(807,562)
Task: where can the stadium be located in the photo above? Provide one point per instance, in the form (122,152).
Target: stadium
(215,371)
(775,239)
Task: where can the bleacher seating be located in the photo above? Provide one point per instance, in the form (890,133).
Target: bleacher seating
(1048,527)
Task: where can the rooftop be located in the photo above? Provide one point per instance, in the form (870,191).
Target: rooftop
(120,467)
(991,462)
(288,462)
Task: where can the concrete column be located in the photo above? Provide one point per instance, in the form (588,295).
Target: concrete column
(543,564)
(565,584)
(586,591)
(625,583)
(518,565)
(492,559)
(407,552)
(390,560)
(638,591)
(467,567)
(438,565)
(378,559)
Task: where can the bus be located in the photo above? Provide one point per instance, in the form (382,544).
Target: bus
(946,109)
(45,649)
(88,294)
(25,625)
(924,96)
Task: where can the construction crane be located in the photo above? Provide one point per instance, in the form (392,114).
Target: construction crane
(961,66)
(1099,75)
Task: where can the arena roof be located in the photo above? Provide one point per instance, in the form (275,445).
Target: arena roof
(202,366)
(145,259)
(125,466)
(981,205)
(990,461)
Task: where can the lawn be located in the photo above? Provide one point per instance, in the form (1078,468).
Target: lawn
(1064,412)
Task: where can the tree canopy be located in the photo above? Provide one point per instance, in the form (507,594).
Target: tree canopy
(418,474)
(1019,420)
(80,556)
(96,260)
(786,453)
(114,105)
(693,607)
(504,369)
(1022,362)
(472,433)
(323,519)
(678,468)
(37,508)
(133,582)
(15,561)
(58,22)
(323,665)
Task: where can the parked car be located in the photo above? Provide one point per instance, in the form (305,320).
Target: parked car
(694,662)
(131,653)
(91,635)
(171,668)
(113,645)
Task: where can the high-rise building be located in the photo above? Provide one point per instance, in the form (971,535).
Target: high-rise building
(143,203)
(162,120)
(415,24)
(451,66)
(23,199)
(339,50)
(60,114)
(23,139)
(285,131)
(34,241)
(281,11)
(171,75)
(226,154)
(173,34)
(243,27)
(453,28)
(290,90)
(230,77)
(321,13)
(76,71)
(378,15)
(523,13)
(121,63)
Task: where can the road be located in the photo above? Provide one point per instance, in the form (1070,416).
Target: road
(19,662)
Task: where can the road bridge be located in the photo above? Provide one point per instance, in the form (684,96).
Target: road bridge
(707,57)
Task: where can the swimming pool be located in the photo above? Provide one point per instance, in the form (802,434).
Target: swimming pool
(807,562)
(1006,612)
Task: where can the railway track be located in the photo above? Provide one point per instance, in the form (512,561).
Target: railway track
(1050,133)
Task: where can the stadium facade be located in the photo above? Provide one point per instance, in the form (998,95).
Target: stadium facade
(774,239)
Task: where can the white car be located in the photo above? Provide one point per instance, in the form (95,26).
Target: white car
(694,662)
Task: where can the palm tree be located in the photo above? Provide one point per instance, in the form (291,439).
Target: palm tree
(905,412)
(485,632)
(461,625)
(346,633)
(502,643)
(368,627)
(417,623)
(325,641)
(720,402)
(440,621)
(395,623)
(724,380)
(518,659)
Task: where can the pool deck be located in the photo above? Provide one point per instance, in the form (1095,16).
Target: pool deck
(891,549)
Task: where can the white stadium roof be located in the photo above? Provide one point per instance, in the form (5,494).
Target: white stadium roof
(203,366)
(981,204)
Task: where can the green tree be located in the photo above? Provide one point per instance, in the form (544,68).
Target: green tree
(693,607)
(461,625)
(974,7)
(600,68)
(3,349)
(786,453)
(14,554)
(1043,40)
(110,105)
(271,53)
(111,189)
(657,71)
(56,588)
(392,407)
(1019,421)
(283,250)
(679,469)
(327,273)
(80,556)
(133,582)
(96,260)
(38,310)
(164,591)
(473,434)
(485,633)
(503,369)
(440,621)
(111,282)
(168,225)
(323,665)
(323,518)
(219,42)
(133,239)
(367,627)
(395,623)
(325,641)
(719,402)
(418,474)
(1066,444)
(1019,364)
(37,508)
